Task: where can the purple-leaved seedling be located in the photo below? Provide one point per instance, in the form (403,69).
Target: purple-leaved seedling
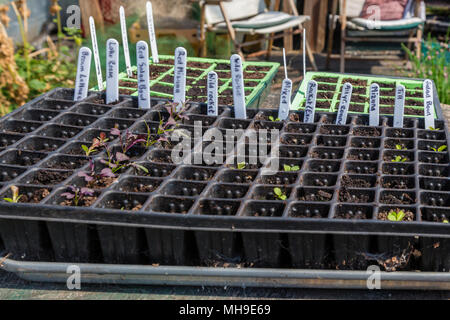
(77,194)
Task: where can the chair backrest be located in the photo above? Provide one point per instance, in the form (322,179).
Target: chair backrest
(353,7)
(235,10)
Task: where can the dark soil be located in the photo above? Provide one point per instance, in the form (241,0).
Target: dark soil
(103,101)
(320,195)
(372,170)
(194,73)
(142,188)
(74,164)
(394,199)
(128,84)
(126,92)
(156,70)
(357,98)
(289,140)
(101,182)
(199,65)
(162,89)
(386,85)
(409,216)
(250,84)
(258,68)
(350,215)
(49,177)
(165,61)
(414,112)
(326,87)
(130,207)
(395,184)
(414,94)
(386,110)
(34,197)
(326,79)
(366,132)
(391,157)
(392,144)
(229,92)
(325,95)
(355,82)
(226,100)
(162,159)
(359,90)
(414,103)
(170,79)
(348,182)
(197,92)
(323,104)
(352,197)
(222,66)
(387,101)
(254,75)
(26,160)
(224,75)
(356,107)
(84,202)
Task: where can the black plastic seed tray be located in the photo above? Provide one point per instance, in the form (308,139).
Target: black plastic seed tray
(323,209)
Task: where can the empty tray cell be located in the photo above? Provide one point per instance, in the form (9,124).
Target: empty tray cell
(91,109)
(356,196)
(435,146)
(15,126)
(248,163)
(296,139)
(271,193)
(398,182)
(58,131)
(398,169)
(264,209)
(327,153)
(212,148)
(100,99)
(155,170)
(334,130)
(75,119)
(182,188)
(161,156)
(286,165)
(202,109)
(367,131)
(197,159)
(41,144)
(372,143)
(46,177)
(170,205)
(282,178)
(266,125)
(407,122)
(123,201)
(10,173)
(361,167)
(331,119)
(440,215)
(323,166)
(358,181)
(135,152)
(128,113)
(110,123)
(319,180)
(145,127)
(399,133)
(138,184)
(353,212)
(434,184)
(28,194)
(431,135)
(398,156)
(195,173)
(331,141)
(301,128)
(157,116)
(9,139)
(438,125)
(227,191)
(50,104)
(299,115)
(399,144)
(36,115)
(90,134)
(250,113)
(21,158)
(235,124)
(434,171)
(434,157)
(398,197)
(194,119)
(313,195)
(409,213)
(218,207)
(237,176)
(64,162)
(435,199)
(62,94)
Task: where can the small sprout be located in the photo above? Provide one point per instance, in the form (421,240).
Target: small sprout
(15,195)
(241,165)
(280,194)
(288,168)
(433,129)
(396,215)
(271,118)
(399,159)
(97,143)
(76,194)
(445,221)
(440,149)
(400,147)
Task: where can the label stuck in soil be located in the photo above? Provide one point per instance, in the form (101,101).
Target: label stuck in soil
(212,94)
(285,99)
(346,95)
(399,108)
(428,104)
(310,102)
(151,33)
(98,66)
(374,105)
(83,73)
(238,87)
(179,85)
(112,71)
(143,75)
(126,50)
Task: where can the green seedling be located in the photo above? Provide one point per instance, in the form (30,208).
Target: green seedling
(433,129)
(445,221)
(396,215)
(399,159)
(440,149)
(241,165)
(288,168)
(271,118)
(400,147)
(280,194)
(97,144)
(15,195)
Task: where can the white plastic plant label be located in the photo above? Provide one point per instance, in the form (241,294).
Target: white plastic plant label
(98,65)
(344,104)
(428,104)
(213,83)
(237,77)
(310,101)
(285,99)
(151,33)
(83,73)
(179,85)
(374,105)
(126,50)
(112,71)
(399,108)
(143,75)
